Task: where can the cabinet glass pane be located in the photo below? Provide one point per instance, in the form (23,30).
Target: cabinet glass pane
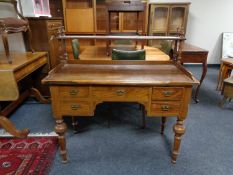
(101,18)
(177,18)
(130,21)
(115,21)
(160,19)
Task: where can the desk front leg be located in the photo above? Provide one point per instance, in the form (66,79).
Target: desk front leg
(60,129)
(204,70)
(179,130)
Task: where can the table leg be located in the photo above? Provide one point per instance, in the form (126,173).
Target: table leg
(75,125)
(204,70)
(38,96)
(9,127)
(179,130)
(60,129)
(164,119)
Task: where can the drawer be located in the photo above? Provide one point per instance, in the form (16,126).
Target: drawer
(165,108)
(75,108)
(52,24)
(167,93)
(121,93)
(72,92)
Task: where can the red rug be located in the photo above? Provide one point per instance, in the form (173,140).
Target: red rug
(31,156)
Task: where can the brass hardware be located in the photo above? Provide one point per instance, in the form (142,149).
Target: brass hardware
(120,92)
(167,93)
(165,108)
(73,92)
(75,107)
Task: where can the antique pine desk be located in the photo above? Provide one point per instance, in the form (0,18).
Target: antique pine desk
(164,88)
(16,84)
(194,54)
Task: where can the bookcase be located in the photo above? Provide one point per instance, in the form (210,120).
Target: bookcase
(166,18)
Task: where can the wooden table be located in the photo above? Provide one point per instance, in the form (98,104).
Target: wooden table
(194,54)
(227,90)
(11,75)
(163,88)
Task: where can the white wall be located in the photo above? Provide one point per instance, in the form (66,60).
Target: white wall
(15,40)
(207,20)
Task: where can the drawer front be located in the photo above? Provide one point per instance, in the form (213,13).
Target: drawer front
(165,108)
(121,93)
(167,93)
(75,108)
(52,24)
(73,92)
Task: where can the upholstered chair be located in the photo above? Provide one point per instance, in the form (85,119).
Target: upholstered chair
(10,25)
(128,55)
(75,48)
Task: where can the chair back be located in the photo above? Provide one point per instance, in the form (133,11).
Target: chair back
(75,48)
(128,55)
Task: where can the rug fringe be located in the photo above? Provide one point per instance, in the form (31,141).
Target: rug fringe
(3,133)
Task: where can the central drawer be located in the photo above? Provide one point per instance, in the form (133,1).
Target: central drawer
(75,108)
(121,93)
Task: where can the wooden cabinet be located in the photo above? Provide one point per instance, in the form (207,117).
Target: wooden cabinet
(79,16)
(41,33)
(166,18)
(90,16)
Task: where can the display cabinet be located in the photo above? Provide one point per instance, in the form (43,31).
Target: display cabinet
(166,18)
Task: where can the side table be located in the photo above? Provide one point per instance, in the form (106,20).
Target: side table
(194,54)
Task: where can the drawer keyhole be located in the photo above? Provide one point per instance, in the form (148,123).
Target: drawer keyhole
(165,108)
(120,92)
(75,107)
(73,92)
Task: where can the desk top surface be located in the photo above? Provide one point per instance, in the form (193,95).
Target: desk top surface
(20,59)
(119,73)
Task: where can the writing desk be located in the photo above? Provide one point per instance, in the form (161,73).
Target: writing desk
(194,54)
(23,65)
(163,88)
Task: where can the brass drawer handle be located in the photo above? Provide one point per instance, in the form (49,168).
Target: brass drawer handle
(120,92)
(165,108)
(73,92)
(167,93)
(75,107)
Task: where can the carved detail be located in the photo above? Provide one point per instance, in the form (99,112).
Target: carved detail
(179,130)
(9,127)
(60,129)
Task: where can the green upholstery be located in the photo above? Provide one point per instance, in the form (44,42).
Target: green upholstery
(75,48)
(128,55)
(166,47)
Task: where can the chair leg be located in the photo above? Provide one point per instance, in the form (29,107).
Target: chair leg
(29,33)
(164,119)
(6,47)
(75,125)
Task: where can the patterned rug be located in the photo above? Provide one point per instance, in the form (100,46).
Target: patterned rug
(30,156)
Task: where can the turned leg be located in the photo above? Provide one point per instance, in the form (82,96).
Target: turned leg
(6,47)
(36,93)
(75,125)
(60,129)
(9,127)
(179,130)
(163,124)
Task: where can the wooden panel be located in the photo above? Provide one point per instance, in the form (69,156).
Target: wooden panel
(75,108)
(167,93)
(165,108)
(121,93)
(80,20)
(73,92)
